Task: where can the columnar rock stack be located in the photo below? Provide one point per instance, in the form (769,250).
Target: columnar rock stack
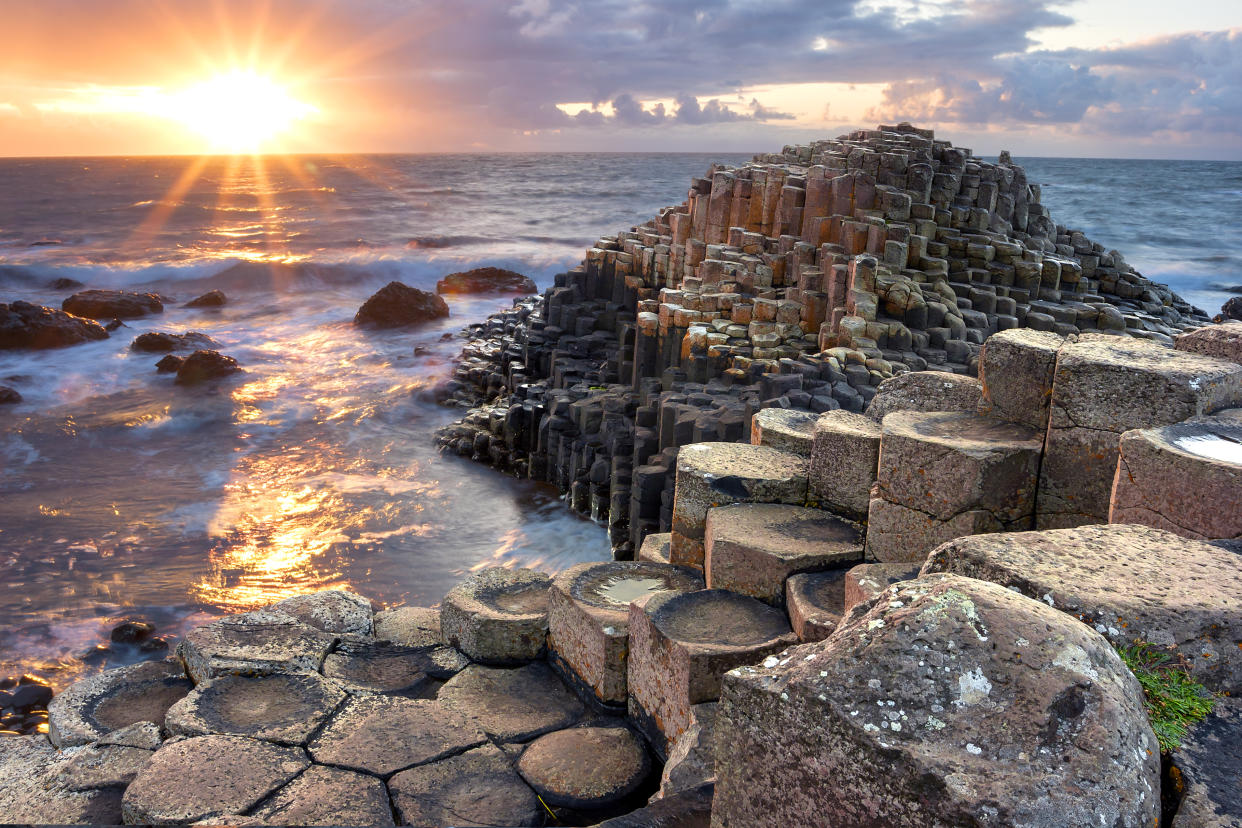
(801,280)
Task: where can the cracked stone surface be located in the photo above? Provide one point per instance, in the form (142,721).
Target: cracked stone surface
(476,788)
(89,709)
(1016,368)
(206,776)
(31,793)
(898,534)
(254,643)
(385,734)
(275,708)
(512,705)
(1029,719)
(328,796)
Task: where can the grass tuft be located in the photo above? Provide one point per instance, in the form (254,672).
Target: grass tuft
(1174,700)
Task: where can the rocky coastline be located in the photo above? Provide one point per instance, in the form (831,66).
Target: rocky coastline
(896,472)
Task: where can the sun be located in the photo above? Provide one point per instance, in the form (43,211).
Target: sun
(239,111)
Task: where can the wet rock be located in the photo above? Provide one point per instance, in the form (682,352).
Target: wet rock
(364,667)
(1183,478)
(276,708)
(585,767)
(486,280)
(112,304)
(692,760)
(210,299)
(158,341)
(752,548)
(170,364)
(925,391)
(65,283)
(716,474)
(866,581)
(9,396)
(29,696)
(115,325)
(655,547)
(1103,388)
(681,644)
(131,632)
(381,735)
(92,708)
(784,429)
(202,366)
(512,705)
(1207,770)
(409,626)
(333,611)
(588,619)
(396,305)
(498,616)
(328,796)
(816,602)
(31,794)
(254,643)
(207,776)
(1130,583)
(844,457)
(1016,368)
(23,325)
(1230,311)
(947,701)
(476,788)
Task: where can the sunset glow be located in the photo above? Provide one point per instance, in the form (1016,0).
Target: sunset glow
(240,111)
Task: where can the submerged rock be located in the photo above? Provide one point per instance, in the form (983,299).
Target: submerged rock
(201,366)
(9,396)
(486,280)
(210,299)
(396,305)
(24,325)
(157,341)
(170,364)
(112,304)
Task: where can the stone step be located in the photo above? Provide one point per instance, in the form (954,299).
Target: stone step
(844,459)
(815,602)
(655,547)
(498,616)
(785,429)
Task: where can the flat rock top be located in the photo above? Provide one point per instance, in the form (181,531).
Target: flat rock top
(333,611)
(280,708)
(585,767)
(114,699)
(516,592)
(840,421)
(823,591)
(328,796)
(476,788)
(408,626)
(613,585)
(1128,355)
(512,705)
(784,531)
(1220,442)
(740,460)
(255,642)
(1046,341)
(787,420)
(925,391)
(961,430)
(717,618)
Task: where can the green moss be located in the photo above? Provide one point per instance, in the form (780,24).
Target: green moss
(1174,700)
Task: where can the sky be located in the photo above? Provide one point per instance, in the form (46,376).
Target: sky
(1108,78)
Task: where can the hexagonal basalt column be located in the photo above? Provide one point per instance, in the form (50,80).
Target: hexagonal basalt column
(1103,388)
(1016,367)
(716,474)
(254,643)
(94,707)
(588,619)
(785,429)
(815,602)
(960,473)
(655,547)
(752,548)
(1184,478)
(843,464)
(498,616)
(277,708)
(681,644)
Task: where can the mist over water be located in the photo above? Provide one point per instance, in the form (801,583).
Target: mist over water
(123,495)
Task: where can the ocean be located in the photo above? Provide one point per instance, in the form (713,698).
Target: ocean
(124,496)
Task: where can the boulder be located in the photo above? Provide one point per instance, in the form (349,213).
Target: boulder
(275,708)
(207,776)
(512,705)
(925,391)
(408,626)
(1185,478)
(1207,770)
(486,280)
(202,366)
(588,619)
(94,707)
(815,602)
(1104,387)
(328,796)
(1130,583)
(752,548)
(1016,368)
(1230,311)
(715,474)
(23,325)
(159,341)
(844,457)
(382,735)
(396,306)
(210,299)
(170,364)
(786,429)
(681,644)
(254,643)
(585,767)
(335,611)
(112,304)
(945,702)
(476,788)
(498,615)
